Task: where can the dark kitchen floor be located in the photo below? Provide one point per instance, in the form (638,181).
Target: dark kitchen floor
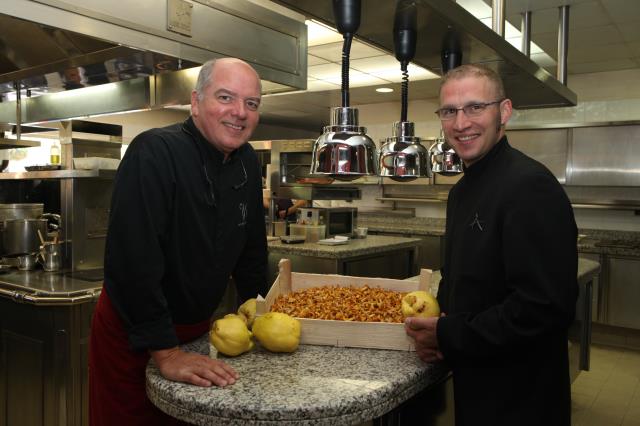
(608,394)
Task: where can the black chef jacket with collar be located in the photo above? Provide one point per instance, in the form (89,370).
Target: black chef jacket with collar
(178,231)
(509,289)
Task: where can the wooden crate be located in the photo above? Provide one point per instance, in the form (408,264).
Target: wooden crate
(379,335)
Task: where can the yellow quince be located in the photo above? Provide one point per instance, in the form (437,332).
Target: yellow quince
(420,304)
(230,335)
(277,332)
(248,311)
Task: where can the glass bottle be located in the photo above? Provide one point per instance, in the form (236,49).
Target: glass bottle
(55,153)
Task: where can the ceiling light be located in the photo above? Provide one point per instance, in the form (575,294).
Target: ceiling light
(384,90)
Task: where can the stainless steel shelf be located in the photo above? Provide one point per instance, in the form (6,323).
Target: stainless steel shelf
(59,174)
(14,143)
(417,200)
(583,205)
(633,207)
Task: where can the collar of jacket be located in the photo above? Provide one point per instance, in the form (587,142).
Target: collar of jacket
(479,166)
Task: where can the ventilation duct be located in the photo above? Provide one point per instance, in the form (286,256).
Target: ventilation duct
(125,58)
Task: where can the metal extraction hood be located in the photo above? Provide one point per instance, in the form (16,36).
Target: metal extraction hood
(81,54)
(442,25)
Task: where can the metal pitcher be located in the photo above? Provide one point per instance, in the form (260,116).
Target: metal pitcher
(50,256)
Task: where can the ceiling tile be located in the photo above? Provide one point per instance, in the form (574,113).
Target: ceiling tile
(356,78)
(586,53)
(314,60)
(316,85)
(630,31)
(333,51)
(600,66)
(622,11)
(376,63)
(318,34)
(324,71)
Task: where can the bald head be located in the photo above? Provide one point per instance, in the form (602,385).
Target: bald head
(208,70)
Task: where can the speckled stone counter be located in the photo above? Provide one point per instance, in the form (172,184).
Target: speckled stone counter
(373,244)
(316,385)
(587,270)
(597,241)
(406,226)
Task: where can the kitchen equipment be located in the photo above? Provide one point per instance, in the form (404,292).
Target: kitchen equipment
(402,157)
(292,239)
(280,228)
(285,165)
(27,262)
(17,211)
(21,211)
(361,232)
(444,159)
(339,220)
(309,216)
(311,233)
(20,236)
(50,256)
(344,151)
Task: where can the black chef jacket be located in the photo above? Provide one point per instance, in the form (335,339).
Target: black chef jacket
(509,290)
(182,222)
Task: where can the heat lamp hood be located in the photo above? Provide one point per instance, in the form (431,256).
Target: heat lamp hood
(443,24)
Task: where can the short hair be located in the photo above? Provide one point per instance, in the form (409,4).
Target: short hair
(475,70)
(204,78)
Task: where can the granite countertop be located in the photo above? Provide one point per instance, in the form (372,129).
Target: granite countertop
(598,241)
(355,247)
(587,269)
(316,385)
(407,226)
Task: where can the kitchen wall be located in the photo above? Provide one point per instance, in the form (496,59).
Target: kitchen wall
(603,97)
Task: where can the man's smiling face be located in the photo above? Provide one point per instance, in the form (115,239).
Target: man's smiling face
(473,137)
(226,112)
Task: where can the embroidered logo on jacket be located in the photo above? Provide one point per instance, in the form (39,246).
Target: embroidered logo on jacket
(477,223)
(243,213)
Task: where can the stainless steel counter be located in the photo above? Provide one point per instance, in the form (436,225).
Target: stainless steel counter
(48,288)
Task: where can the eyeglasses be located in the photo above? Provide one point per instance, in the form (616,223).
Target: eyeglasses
(471,110)
(210,196)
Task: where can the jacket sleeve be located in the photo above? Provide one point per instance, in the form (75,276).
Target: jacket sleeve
(250,273)
(134,259)
(538,239)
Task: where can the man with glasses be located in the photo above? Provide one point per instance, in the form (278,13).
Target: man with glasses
(508,288)
(186,214)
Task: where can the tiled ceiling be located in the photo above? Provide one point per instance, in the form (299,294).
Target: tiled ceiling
(604,35)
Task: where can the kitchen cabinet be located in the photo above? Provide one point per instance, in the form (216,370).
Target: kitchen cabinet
(623,293)
(430,248)
(43,364)
(597,297)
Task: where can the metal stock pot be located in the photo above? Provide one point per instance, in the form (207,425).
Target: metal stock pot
(21,211)
(12,212)
(20,236)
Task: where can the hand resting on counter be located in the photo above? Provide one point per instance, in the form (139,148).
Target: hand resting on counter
(177,365)
(423,332)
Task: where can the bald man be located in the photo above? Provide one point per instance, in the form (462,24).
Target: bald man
(186,214)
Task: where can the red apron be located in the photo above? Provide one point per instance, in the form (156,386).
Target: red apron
(117,394)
